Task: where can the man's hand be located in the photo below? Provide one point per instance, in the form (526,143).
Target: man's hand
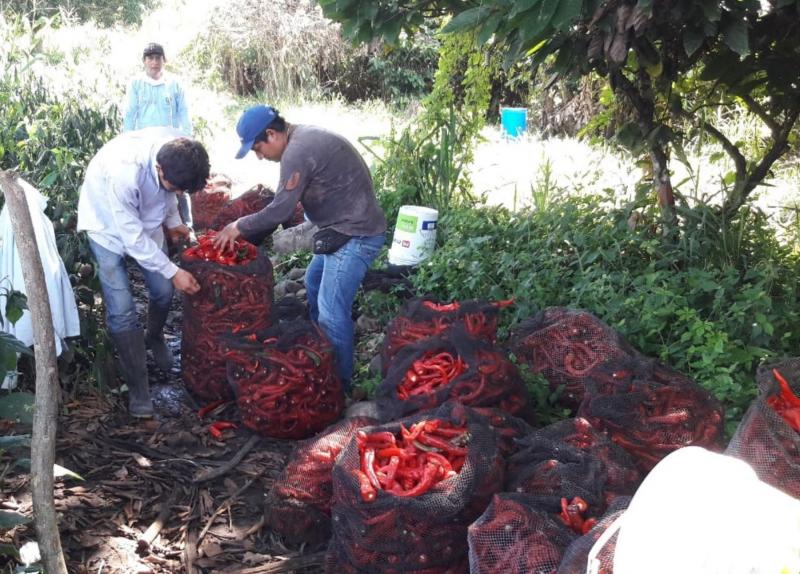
(185,282)
(179,234)
(225,239)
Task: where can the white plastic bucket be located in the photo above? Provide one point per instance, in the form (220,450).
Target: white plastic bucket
(414,235)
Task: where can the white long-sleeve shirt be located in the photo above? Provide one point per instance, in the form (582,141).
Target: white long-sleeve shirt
(122,205)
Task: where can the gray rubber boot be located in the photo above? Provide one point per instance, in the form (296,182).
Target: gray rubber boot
(154,339)
(132,358)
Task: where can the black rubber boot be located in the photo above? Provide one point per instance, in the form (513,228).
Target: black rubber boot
(133,360)
(154,339)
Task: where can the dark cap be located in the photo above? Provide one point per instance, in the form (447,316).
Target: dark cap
(252,124)
(153,49)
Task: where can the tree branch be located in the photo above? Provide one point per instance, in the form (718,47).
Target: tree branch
(45,416)
(756,108)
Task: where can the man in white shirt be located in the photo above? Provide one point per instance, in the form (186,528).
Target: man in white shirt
(128,196)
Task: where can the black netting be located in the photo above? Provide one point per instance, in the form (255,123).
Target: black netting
(576,557)
(285,381)
(232,298)
(380,532)
(652,411)
(509,428)
(764,439)
(568,459)
(430,372)
(299,505)
(424,318)
(251,201)
(565,346)
(516,536)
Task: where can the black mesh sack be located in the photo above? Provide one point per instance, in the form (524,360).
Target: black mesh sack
(509,428)
(516,536)
(431,372)
(653,412)
(565,345)
(285,380)
(299,505)
(208,202)
(576,557)
(421,319)
(232,299)
(378,531)
(764,439)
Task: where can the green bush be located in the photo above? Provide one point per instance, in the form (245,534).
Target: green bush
(713,304)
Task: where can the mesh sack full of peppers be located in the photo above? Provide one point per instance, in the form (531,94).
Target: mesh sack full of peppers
(236,290)
(404,493)
(768,438)
(651,410)
(571,463)
(299,505)
(565,346)
(285,382)
(576,556)
(432,371)
(424,318)
(208,202)
(516,536)
(252,201)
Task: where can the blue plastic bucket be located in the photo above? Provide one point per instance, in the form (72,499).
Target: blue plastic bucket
(514,121)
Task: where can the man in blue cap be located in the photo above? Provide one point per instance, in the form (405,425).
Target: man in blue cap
(324,172)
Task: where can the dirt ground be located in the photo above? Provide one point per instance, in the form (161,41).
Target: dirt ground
(160,495)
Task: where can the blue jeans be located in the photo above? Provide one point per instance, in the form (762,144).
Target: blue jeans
(117,295)
(331,285)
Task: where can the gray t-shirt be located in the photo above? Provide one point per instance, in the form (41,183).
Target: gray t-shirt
(324,172)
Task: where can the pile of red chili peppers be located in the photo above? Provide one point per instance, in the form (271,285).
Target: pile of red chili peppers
(785,403)
(656,414)
(232,298)
(251,201)
(299,504)
(241,254)
(410,465)
(430,372)
(206,204)
(287,390)
(513,536)
(423,319)
(566,346)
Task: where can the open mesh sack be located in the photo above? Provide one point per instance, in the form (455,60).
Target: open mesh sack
(209,201)
(565,346)
(299,505)
(652,411)
(571,459)
(421,319)
(576,557)
(430,372)
(764,439)
(516,536)
(285,380)
(232,298)
(387,533)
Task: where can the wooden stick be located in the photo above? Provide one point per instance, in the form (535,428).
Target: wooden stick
(45,415)
(146,539)
(228,466)
(226,505)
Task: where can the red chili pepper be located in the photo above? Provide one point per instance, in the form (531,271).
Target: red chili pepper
(216,428)
(210,407)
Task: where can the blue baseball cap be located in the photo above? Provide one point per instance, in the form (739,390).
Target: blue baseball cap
(252,124)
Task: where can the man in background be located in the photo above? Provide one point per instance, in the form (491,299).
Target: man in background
(156,98)
(127,199)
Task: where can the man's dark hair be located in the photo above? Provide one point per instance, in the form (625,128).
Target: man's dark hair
(184,163)
(278,124)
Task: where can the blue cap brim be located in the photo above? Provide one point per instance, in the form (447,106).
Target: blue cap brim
(245,149)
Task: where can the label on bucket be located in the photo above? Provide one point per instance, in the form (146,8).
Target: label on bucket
(407,223)
(428,225)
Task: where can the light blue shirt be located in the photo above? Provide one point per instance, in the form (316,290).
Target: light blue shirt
(156,103)
(122,205)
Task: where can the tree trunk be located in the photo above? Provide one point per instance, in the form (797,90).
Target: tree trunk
(45,417)
(662,184)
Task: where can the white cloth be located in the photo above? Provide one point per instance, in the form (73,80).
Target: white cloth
(59,290)
(122,204)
